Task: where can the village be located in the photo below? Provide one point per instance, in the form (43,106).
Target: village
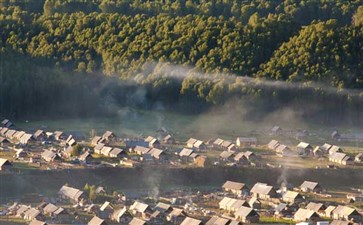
(233,202)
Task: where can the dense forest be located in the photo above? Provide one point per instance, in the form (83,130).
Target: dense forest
(57,54)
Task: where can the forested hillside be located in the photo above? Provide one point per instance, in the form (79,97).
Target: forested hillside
(58,44)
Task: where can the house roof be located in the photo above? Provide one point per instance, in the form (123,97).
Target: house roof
(273,144)
(233,185)
(119,213)
(4,162)
(186,152)
(340,222)
(38,133)
(162,207)
(137,221)
(99,146)
(96,221)
(198,144)
(191,221)
(108,134)
(37,222)
(48,154)
(334,149)
(84,156)
(50,208)
(95,140)
(116,151)
(218,141)
(326,147)
(280,207)
(291,194)
(106,150)
(139,206)
(25,138)
(216,220)
(239,156)
(191,141)
(309,185)
(316,207)
(339,156)
(330,209)
(226,154)
(260,188)
(343,210)
(244,211)
(141,149)
(303,145)
(176,212)
(226,144)
(105,205)
(149,139)
(304,214)
(31,213)
(155,152)
(70,192)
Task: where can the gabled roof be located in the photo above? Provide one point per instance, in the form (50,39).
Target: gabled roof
(37,222)
(99,146)
(309,185)
(105,205)
(139,206)
(96,221)
(31,213)
(198,144)
(326,147)
(186,152)
(47,154)
(226,154)
(96,139)
(4,162)
(260,188)
(25,138)
(119,213)
(344,210)
(339,156)
(50,208)
(116,151)
(38,133)
(218,141)
(155,152)
(70,192)
(273,144)
(330,209)
(233,185)
(304,214)
(162,207)
(191,221)
(316,207)
(141,149)
(84,156)
(240,156)
(245,211)
(191,141)
(137,221)
(177,212)
(108,134)
(149,139)
(340,222)
(303,145)
(291,194)
(106,150)
(226,144)
(334,149)
(216,220)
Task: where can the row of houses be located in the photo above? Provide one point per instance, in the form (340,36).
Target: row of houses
(108,151)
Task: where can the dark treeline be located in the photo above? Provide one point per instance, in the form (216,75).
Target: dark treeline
(54,54)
